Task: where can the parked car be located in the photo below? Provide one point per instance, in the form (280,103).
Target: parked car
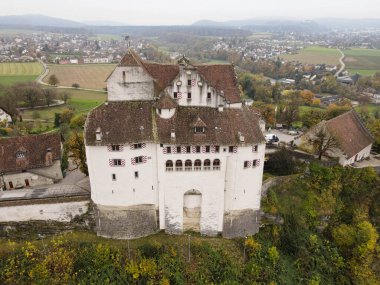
(271,138)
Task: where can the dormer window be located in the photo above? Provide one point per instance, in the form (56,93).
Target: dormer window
(208,95)
(20,155)
(175,95)
(199,130)
(98,134)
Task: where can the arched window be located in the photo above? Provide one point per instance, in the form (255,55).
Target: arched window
(188,165)
(178,165)
(216,164)
(169,165)
(197,165)
(207,164)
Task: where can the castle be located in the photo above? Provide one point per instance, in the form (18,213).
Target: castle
(174,148)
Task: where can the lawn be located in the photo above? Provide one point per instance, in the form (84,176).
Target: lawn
(370,108)
(82,101)
(10,80)
(306,109)
(91,76)
(362,61)
(315,55)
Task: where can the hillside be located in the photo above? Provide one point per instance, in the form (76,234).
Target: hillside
(38,20)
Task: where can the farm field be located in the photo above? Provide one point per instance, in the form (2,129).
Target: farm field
(315,55)
(363,61)
(14,72)
(91,76)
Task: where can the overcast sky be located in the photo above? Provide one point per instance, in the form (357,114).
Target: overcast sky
(174,12)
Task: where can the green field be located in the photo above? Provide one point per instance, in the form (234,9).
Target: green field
(12,72)
(363,61)
(315,55)
(83,101)
(91,76)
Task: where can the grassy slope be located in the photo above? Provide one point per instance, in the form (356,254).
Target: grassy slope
(315,55)
(90,76)
(82,101)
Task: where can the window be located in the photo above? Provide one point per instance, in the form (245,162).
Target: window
(20,154)
(188,95)
(189,82)
(231,149)
(188,149)
(136,174)
(175,95)
(217,148)
(207,164)
(117,162)
(179,149)
(159,111)
(208,95)
(113,176)
(216,164)
(188,165)
(169,165)
(198,149)
(178,165)
(255,148)
(124,76)
(168,149)
(246,164)
(207,148)
(139,159)
(255,162)
(137,145)
(115,147)
(197,165)
(199,129)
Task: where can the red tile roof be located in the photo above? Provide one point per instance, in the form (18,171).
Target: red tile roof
(34,148)
(350,133)
(132,122)
(222,78)
(166,102)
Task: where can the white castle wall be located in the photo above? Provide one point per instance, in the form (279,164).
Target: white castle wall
(126,190)
(135,85)
(198,94)
(62,212)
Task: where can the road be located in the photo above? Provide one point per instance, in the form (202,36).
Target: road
(342,64)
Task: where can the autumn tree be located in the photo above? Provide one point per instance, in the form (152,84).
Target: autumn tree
(65,96)
(53,80)
(32,94)
(49,96)
(321,139)
(77,151)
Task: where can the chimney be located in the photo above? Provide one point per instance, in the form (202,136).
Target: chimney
(220,108)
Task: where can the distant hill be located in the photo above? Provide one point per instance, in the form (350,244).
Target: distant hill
(268,25)
(38,20)
(350,24)
(103,23)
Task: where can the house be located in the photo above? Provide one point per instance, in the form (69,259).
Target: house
(5,117)
(174,149)
(30,161)
(354,141)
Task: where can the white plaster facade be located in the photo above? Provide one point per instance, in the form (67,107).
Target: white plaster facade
(5,117)
(364,153)
(139,173)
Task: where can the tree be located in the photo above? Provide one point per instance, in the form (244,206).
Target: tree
(321,139)
(53,80)
(65,96)
(290,114)
(49,96)
(31,94)
(77,151)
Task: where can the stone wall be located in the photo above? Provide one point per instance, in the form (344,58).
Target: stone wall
(241,223)
(126,222)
